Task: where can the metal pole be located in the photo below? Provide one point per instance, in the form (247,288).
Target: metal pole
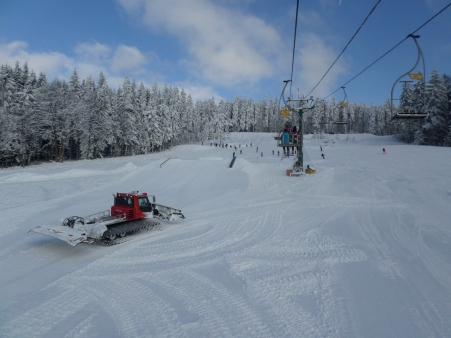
(301,133)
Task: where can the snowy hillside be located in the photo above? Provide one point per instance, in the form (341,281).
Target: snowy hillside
(360,249)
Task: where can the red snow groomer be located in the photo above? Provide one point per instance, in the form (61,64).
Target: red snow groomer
(131,212)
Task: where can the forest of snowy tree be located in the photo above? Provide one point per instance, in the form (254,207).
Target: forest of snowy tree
(431,98)
(81,119)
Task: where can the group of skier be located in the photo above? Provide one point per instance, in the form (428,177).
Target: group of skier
(222,145)
(290,135)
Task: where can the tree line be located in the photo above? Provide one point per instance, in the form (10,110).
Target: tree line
(431,98)
(84,119)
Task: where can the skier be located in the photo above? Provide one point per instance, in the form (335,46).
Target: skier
(383,151)
(321,148)
(322,155)
(241,151)
(278,152)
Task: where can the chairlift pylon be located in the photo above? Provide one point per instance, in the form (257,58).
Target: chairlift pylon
(407,116)
(290,142)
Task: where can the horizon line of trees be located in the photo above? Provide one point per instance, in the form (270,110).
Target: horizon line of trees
(432,98)
(81,119)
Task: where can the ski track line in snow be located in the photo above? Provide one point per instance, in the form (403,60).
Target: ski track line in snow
(304,200)
(131,325)
(264,258)
(109,282)
(332,256)
(307,267)
(379,247)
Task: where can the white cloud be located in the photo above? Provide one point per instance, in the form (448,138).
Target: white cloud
(90,59)
(225,47)
(199,92)
(315,57)
(126,57)
(53,64)
(94,52)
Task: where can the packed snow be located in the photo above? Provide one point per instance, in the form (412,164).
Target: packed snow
(359,249)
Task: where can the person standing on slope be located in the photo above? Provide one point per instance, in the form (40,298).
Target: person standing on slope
(383,151)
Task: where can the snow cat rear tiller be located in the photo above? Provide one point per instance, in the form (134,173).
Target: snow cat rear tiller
(130,212)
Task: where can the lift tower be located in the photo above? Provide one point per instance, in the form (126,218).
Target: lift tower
(296,107)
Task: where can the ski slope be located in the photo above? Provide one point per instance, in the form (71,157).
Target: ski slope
(359,249)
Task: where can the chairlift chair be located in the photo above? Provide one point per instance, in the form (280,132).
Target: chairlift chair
(343,104)
(407,116)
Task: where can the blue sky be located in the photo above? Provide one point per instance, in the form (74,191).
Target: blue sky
(226,48)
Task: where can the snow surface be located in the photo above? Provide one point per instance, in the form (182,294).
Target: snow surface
(360,249)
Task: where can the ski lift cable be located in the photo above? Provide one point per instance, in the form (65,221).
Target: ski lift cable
(294,43)
(408,36)
(368,67)
(349,42)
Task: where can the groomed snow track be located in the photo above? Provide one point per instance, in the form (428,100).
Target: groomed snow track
(360,249)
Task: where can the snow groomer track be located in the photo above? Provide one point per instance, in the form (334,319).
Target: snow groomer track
(359,249)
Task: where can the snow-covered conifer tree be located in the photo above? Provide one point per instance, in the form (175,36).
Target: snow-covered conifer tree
(242,117)
(189,118)
(182,117)
(447,80)
(142,125)
(273,115)
(7,86)
(153,119)
(42,80)
(104,133)
(236,110)
(54,121)
(86,112)
(127,119)
(250,107)
(21,114)
(262,117)
(437,108)
(7,124)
